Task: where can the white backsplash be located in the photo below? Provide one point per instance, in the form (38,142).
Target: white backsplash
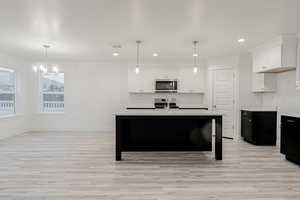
(147,100)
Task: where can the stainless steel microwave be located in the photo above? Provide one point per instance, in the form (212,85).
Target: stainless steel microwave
(166,85)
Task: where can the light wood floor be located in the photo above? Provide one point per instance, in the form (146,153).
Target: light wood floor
(81,166)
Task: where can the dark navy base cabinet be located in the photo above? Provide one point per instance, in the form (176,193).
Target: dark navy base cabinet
(167,133)
(290,138)
(259,127)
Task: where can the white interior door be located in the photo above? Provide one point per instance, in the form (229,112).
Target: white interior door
(223,98)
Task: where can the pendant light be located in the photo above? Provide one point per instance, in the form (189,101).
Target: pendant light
(196,56)
(43,68)
(137,67)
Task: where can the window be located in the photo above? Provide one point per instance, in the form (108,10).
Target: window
(52,92)
(7,91)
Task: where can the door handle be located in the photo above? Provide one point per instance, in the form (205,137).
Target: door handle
(214,106)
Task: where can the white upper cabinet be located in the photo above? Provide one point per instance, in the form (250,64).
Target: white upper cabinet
(277,56)
(190,81)
(144,82)
(263,82)
(141,82)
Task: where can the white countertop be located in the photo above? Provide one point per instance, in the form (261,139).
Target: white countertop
(290,115)
(259,109)
(166,112)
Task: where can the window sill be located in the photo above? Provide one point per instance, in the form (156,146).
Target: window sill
(9,116)
(51,113)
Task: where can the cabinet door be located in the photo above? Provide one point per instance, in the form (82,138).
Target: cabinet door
(142,82)
(133,81)
(190,81)
(266,60)
(292,138)
(289,52)
(247,126)
(263,82)
(147,80)
(257,82)
(276,56)
(270,83)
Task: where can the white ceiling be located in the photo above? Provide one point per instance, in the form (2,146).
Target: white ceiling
(86,29)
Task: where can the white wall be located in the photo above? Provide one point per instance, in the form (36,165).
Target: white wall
(246,97)
(93,92)
(13,125)
(286,98)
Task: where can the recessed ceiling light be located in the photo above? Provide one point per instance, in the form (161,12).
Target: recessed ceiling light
(241,40)
(115,54)
(195,54)
(155,54)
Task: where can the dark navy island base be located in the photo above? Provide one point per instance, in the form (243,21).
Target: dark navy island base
(167,133)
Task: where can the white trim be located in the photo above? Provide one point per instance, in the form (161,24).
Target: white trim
(52,92)
(7,92)
(11,70)
(10,116)
(50,113)
(41,93)
(235,94)
(219,67)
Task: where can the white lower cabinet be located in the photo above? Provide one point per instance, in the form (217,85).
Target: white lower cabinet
(263,82)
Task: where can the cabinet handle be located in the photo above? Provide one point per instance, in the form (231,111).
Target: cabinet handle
(291,121)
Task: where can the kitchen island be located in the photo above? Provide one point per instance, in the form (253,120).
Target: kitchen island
(167,130)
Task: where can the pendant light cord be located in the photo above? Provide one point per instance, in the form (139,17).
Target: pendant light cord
(196,53)
(195,57)
(138,53)
(46,57)
(46,54)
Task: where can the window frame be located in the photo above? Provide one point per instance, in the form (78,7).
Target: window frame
(41,94)
(14,113)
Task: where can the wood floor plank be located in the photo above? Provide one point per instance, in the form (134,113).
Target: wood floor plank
(66,165)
